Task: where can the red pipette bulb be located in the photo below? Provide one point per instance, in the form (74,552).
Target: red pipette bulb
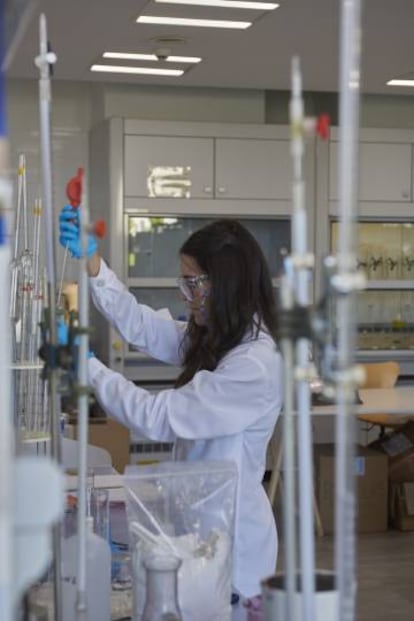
(74,189)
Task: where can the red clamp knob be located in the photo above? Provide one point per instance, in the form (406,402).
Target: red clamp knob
(323,124)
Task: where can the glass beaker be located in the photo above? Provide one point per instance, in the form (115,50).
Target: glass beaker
(161,601)
(99,508)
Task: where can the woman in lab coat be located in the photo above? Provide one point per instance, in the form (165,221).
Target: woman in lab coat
(227,399)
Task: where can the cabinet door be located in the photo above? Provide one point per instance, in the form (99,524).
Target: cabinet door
(253,169)
(385,172)
(168,167)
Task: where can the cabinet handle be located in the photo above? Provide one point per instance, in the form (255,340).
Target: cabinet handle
(208,189)
(221,190)
(405,194)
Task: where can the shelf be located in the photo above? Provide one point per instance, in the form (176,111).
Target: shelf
(390,284)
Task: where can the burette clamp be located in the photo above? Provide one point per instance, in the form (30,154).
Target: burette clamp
(346,283)
(303,261)
(294,323)
(306,373)
(352,376)
(81,389)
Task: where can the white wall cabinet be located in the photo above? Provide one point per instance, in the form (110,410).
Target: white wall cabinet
(198,167)
(385,172)
(168,166)
(252,169)
(215,161)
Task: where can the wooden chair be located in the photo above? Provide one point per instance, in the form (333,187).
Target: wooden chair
(382,375)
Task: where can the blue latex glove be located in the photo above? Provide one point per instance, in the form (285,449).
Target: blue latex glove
(63,335)
(69,233)
(62,331)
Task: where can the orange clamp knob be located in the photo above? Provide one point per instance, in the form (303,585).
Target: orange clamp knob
(74,189)
(99,228)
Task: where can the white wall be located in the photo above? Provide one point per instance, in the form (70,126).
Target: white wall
(78,106)
(71,121)
(184,104)
(376,110)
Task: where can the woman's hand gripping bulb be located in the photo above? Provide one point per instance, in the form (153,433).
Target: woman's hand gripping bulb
(70,234)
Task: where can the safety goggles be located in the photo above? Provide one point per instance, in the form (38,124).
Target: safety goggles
(188,285)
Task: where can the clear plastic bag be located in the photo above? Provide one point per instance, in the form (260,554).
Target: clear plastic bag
(185,510)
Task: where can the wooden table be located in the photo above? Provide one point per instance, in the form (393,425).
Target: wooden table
(398,400)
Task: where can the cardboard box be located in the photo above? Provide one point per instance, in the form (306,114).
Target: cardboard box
(402,505)
(399,447)
(110,435)
(371,470)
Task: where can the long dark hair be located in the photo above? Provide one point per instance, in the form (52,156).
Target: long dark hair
(241,299)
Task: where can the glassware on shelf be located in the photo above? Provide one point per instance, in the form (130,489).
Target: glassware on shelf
(392,265)
(385,252)
(161,602)
(407,267)
(407,309)
(362,262)
(375,262)
(385,249)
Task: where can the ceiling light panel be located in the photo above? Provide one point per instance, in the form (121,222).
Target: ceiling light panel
(195,23)
(151,57)
(137,70)
(400,83)
(229,4)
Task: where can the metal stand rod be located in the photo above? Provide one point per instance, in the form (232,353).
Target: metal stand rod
(7,607)
(299,250)
(43,62)
(288,437)
(83,415)
(348,183)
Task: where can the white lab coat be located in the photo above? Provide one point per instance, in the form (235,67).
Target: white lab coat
(228,413)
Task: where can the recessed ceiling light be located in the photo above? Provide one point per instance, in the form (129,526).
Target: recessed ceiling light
(151,57)
(400,83)
(136,70)
(201,23)
(233,4)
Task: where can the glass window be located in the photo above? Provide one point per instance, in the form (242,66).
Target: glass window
(385,249)
(162,298)
(158,298)
(154,242)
